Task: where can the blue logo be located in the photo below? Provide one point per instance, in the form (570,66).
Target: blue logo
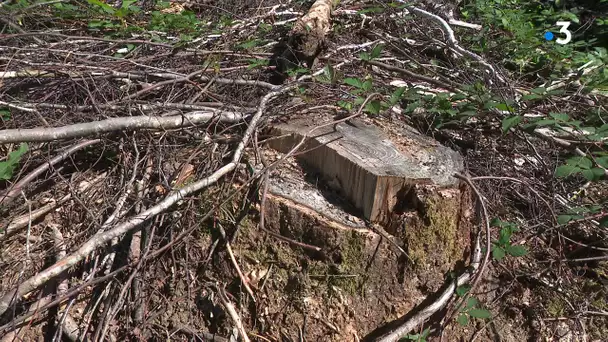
(549,36)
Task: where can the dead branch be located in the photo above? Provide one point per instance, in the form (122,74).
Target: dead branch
(133,223)
(453,43)
(438,304)
(66,324)
(22,221)
(232,312)
(14,191)
(116,124)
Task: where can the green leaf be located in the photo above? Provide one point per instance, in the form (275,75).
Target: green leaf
(604,222)
(248,45)
(570,16)
(396,96)
(517,251)
(103,6)
(563,219)
(253,63)
(602,161)
(412,106)
(498,105)
(329,72)
(566,171)
(544,122)
(469,113)
(560,116)
(496,222)
(376,51)
(462,290)
(7,166)
(5,114)
(355,82)
(504,236)
(582,162)
(498,253)
(359,101)
(462,319)
(480,313)
(509,122)
(365,56)
(373,107)
(594,174)
(539,90)
(346,105)
(504,107)
(471,302)
(458,97)
(127,3)
(531,97)
(367,85)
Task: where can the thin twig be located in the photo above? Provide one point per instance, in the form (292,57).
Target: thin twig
(438,304)
(95,242)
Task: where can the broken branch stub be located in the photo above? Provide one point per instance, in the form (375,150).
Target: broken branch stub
(308,34)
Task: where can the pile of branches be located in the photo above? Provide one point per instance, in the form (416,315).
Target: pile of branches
(136,146)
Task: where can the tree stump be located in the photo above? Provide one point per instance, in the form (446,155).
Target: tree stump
(349,181)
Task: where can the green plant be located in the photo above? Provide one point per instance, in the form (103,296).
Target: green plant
(5,114)
(584,166)
(471,309)
(363,88)
(418,337)
(582,212)
(328,76)
(375,53)
(120,14)
(519,25)
(256,63)
(185,22)
(503,246)
(592,166)
(8,166)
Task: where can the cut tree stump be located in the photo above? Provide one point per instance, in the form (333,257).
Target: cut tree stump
(373,171)
(353,274)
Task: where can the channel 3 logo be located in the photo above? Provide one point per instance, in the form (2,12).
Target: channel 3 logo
(563,30)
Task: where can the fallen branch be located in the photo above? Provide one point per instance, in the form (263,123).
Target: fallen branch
(117,124)
(464,24)
(97,241)
(453,43)
(15,190)
(65,323)
(232,312)
(15,225)
(447,84)
(438,304)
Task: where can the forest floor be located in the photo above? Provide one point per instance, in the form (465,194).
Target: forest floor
(65,63)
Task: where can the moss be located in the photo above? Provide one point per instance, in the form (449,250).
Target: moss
(351,268)
(432,237)
(556,307)
(346,273)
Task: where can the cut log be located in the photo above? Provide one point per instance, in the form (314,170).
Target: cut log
(368,168)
